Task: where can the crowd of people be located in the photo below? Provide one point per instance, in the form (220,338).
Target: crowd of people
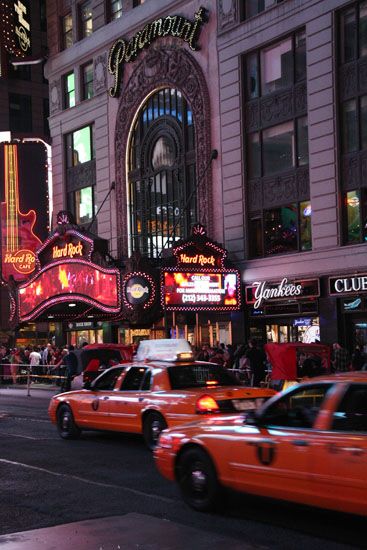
(249,362)
(43,362)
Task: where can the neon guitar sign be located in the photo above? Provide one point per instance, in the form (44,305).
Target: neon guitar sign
(18,242)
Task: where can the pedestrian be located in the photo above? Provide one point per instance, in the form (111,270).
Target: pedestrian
(358,359)
(341,359)
(256,359)
(14,364)
(71,363)
(34,360)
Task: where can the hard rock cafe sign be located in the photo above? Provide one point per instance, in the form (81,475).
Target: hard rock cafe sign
(123,51)
(15,27)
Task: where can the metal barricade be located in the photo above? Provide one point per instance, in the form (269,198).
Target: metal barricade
(16,374)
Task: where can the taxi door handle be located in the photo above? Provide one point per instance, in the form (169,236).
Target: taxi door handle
(141,399)
(353,450)
(105,398)
(300,443)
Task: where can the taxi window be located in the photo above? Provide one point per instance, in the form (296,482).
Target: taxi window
(133,379)
(297,409)
(107,380)
(351,414)
(199,376)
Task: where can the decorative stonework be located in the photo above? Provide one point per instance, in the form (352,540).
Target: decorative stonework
(55,96)
(227,14)
(276,109)
(100,73)
(82,175)
(173,67)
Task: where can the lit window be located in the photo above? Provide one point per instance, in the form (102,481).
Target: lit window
(67,31)
(69,90)
(115,9)
(86,19)
(79,146)
(87,78)
(84,205)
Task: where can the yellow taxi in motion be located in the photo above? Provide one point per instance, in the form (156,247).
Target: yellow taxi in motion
(164,387)
(307,445)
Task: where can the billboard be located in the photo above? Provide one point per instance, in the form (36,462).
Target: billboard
(68,282)
(195,290)
(24,206)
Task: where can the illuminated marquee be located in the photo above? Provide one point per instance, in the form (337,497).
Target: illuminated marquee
(74,280)
(204,290)
(124,52)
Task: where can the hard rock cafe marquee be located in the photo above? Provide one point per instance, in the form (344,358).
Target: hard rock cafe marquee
(72,282)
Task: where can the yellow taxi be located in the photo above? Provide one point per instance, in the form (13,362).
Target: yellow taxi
(307,444)
(164,387)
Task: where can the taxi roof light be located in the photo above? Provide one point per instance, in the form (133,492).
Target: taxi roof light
(206,404)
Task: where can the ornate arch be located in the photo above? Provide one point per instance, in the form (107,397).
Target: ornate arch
(173,67)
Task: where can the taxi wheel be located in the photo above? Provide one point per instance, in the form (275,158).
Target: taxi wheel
(153,424)
(65,423)
(198,480)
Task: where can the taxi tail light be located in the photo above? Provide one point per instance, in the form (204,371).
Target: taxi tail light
(167,441)
(206,404)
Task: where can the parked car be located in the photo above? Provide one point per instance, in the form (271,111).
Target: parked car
(151,394)
(307,444)
(93,359)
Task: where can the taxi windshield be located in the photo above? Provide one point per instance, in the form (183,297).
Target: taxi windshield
(200,376)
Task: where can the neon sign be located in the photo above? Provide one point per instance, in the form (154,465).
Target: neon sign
(204,290)
(74,280)
(18,240)
(69,250)
(197,259)
(263,291)
(124,52)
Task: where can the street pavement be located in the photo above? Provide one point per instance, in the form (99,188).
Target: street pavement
(132,531)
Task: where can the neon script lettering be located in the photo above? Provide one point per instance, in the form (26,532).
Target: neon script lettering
(124,52)
(283,290)
(69,250)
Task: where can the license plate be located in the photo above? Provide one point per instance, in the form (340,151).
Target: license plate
(244,404)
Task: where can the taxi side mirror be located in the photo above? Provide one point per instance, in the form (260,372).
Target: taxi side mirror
(252,418)
(87,385)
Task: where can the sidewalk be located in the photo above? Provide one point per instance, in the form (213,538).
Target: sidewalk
(36,390)
(132,531)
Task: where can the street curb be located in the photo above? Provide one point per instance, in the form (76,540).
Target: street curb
(131,531)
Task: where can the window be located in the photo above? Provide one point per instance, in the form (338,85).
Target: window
(83,205)
(276,67)
(133,379)
(21,72)
(69,90)
(67,31)
(277,148)
(79,146)
(107,380)
(85,20)
(250,8)
(351,414)
(115,9)
(162,195)
(355,216)
(87,80)
(137,3)
(297,409)
(20,113)
(353,120)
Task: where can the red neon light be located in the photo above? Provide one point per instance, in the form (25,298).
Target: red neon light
(204,290)
(18,239)
(75,280)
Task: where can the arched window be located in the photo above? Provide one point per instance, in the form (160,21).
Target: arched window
(161,173)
